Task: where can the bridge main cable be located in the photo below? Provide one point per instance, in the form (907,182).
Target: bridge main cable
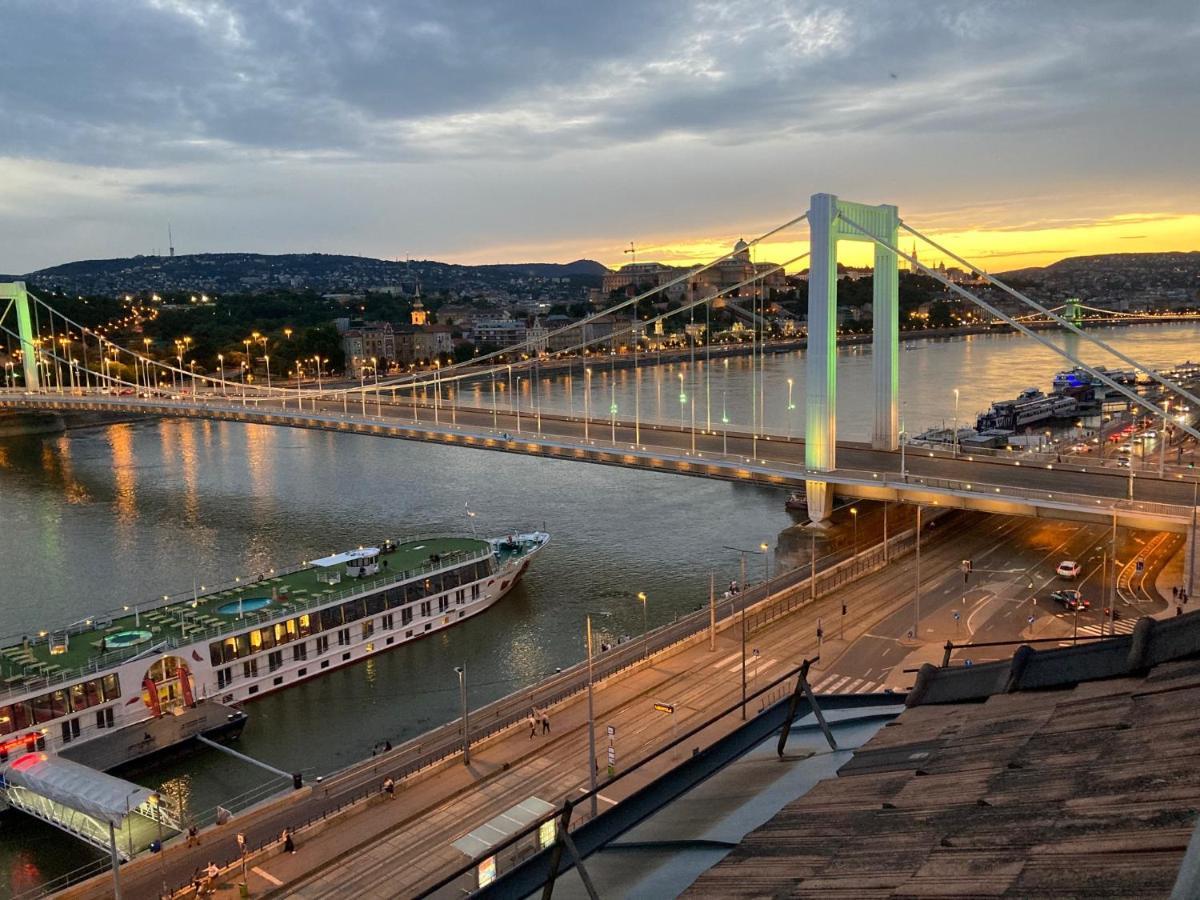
(1028,301)
(1020,326)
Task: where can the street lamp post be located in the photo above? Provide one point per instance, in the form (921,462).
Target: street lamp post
(592,765)
(854,516)
(790,406)
(645,626)
(466,725)
(587,390)
(917,593)
(762,549)
(955,441)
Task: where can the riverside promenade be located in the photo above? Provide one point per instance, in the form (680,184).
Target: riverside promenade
(352,839)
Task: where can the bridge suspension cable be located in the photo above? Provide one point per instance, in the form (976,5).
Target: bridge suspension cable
(1020,326)
(1066,323)
(528,343)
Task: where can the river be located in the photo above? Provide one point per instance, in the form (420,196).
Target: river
(99,517)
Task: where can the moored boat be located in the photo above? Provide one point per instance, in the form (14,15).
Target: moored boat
(246,638)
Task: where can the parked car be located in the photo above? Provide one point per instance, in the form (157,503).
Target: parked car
(1068,568)
(1072,600)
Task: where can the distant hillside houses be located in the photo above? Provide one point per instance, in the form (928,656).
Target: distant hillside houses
(736,269)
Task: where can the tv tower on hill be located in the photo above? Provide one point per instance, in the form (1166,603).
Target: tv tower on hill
(170,241)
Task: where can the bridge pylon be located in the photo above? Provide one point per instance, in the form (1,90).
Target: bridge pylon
(827,217)
(1072,311)
(14,292)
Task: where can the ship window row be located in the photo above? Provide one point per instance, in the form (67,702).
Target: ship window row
(37,710)
(332,618)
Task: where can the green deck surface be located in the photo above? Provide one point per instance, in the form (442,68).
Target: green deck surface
(182,619)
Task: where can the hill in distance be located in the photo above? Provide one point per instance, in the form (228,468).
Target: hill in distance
(324,272)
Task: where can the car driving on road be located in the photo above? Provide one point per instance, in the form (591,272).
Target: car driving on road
(1072,600)
(1068,568)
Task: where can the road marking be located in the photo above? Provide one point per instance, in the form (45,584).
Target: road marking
(727,660)
(267,876)
(819,687)
(607,799)
(833,688)
(852,685)
(869,687)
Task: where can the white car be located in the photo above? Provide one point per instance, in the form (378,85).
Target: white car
(1068,569)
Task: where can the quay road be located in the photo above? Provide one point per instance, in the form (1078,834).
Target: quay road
(983,482)
(395,848)
(1011,582)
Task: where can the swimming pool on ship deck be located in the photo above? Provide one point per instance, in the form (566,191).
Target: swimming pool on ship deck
(166,620)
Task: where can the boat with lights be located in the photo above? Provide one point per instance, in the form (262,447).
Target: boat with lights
(245,638)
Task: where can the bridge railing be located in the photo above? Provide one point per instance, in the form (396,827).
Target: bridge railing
(768,467)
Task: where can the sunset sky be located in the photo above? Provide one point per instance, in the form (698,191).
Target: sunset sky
(1016,132)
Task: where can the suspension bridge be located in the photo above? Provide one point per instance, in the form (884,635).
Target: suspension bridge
(66,366)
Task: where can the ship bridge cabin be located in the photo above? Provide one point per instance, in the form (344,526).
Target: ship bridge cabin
(359,563)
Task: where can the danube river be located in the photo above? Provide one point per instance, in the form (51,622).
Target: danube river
(100,517)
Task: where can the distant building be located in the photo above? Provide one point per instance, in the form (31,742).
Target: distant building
(502,332)
(419,315)
(735,270)
(363,341)
(422,344)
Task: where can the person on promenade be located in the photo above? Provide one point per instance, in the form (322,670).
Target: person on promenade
(545,722)
(533,725)
(389,788)
(289,845)
(193,835)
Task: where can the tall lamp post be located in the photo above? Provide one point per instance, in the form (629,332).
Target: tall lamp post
(466,726)
(854,516)
(763,550)
(645,625)
(955,442)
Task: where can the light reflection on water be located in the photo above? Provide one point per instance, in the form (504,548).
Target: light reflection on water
(98,518)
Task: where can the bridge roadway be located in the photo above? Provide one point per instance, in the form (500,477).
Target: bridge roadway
(1069,490)
(391,848)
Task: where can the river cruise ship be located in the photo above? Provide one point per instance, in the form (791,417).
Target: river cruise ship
(245,638)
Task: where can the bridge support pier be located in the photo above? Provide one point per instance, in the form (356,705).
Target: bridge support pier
(831,220)
(15,291)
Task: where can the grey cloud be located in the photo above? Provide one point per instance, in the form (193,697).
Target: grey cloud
(178,81)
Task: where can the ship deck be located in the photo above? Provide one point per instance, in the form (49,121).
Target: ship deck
(34,660)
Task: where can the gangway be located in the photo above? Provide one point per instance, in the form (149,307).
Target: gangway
(107,812)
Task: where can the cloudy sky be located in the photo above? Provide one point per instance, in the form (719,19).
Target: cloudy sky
(490,131)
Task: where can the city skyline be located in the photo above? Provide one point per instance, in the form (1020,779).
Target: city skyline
(1019,135)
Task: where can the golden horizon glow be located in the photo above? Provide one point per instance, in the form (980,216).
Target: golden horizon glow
(995,249)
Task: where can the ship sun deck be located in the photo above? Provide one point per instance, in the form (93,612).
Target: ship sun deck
(108,639)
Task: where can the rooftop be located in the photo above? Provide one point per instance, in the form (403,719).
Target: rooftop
(1070,772)
(104,640)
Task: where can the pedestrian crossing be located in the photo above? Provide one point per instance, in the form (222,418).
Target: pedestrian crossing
(846,684)
(1121,626)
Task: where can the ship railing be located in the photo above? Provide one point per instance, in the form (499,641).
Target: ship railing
(247,620)
(148,606)
(301,604)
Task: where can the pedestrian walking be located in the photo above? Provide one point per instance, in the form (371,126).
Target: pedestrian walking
(1175,592)
(193,836)
(289,845)
(532,725)
(545,723)
(389,788)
